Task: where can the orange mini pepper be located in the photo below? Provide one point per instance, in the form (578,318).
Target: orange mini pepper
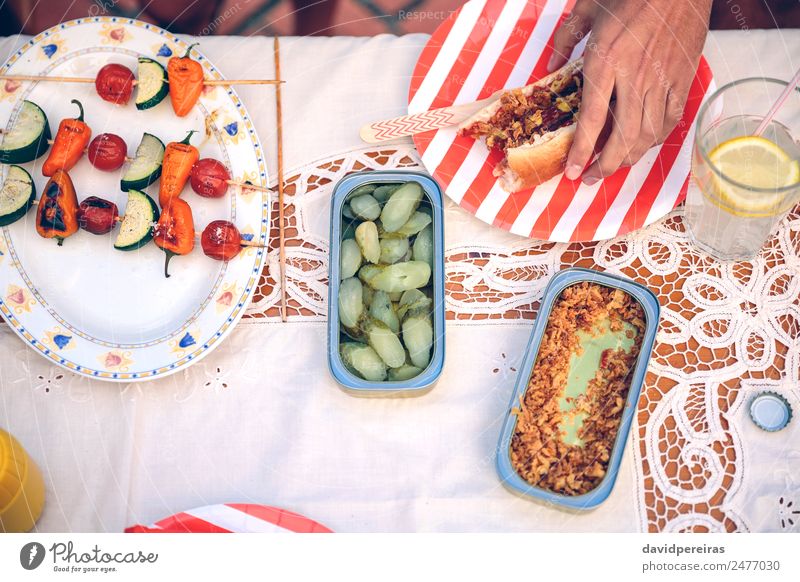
(179,157)
(57,214)
(186,79)
(71,140)
(174,231)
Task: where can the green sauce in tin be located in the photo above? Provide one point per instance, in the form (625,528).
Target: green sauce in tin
(582,369)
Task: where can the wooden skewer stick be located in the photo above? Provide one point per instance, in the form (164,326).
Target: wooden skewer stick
(243,82)
(252,244)
(212,82)
(248,186)
(281,210)
(47,78)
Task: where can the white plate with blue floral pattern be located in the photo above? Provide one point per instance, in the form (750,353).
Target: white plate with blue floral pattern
(92,309)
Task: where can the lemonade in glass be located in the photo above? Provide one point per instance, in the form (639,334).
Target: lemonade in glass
(746,183)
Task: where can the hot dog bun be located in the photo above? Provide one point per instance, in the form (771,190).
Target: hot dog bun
(532,164)
(545,156)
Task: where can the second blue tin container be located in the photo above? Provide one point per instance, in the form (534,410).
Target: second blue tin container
(557,284)
(424,381)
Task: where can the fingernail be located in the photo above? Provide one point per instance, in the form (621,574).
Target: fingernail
(573,172)
(589,180)
(552,62)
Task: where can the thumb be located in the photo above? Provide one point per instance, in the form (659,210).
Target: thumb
(574,28)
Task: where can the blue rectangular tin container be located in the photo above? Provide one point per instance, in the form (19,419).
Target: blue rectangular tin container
(558,283)
(349,381)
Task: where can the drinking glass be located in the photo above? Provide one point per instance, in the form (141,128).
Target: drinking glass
(730,219)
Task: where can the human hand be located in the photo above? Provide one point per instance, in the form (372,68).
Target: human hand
(644,53)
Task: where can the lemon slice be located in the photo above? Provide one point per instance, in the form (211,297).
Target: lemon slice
(758,163)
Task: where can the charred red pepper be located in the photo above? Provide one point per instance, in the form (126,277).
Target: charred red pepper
(179,157)
(174,232)
(71,139)
(97,215)
(57,214)
(186,80)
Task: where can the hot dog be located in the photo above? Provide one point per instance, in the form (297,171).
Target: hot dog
(533,126)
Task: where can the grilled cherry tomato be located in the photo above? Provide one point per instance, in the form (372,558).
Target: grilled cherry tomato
(221,240)
(107,152)
(114,83)
(210,178)
(97,215)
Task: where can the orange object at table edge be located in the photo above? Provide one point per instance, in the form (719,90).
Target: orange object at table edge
(22,491)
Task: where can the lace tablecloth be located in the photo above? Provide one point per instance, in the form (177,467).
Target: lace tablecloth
(260,420)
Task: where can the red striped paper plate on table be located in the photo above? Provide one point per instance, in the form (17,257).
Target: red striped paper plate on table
(233,518)
(489,45)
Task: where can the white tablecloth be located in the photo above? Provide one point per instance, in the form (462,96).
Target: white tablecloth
(260,420)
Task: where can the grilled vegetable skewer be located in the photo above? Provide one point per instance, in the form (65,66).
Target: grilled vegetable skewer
(209,177)
(99,216)
(30,138)
(59,215)
(183,80)
(56,218)
(87,80)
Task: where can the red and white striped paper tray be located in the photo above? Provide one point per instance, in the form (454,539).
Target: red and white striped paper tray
(489,45)
(233,518)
